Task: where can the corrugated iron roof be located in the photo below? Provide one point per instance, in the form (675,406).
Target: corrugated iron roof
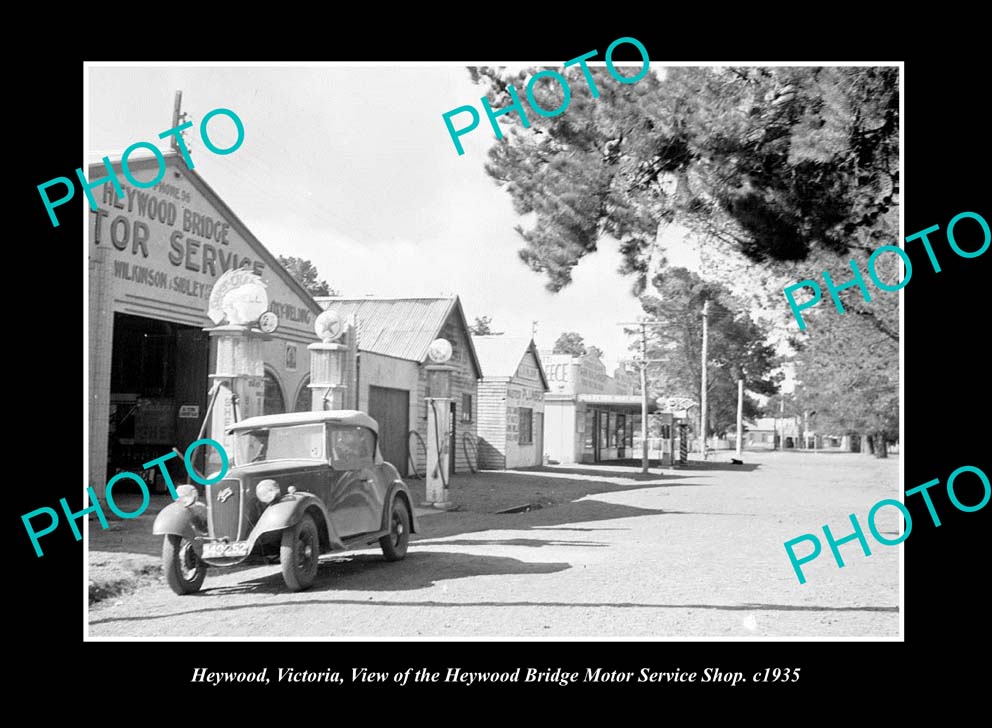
(399,327)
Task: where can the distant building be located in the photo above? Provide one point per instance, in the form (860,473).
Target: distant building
(772,432)
(389,379)
(511,403)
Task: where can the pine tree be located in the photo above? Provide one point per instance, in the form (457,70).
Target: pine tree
(736,347)
(777,163)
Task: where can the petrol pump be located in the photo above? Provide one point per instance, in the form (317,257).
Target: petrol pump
(237,386)
(328,363)
(438,412)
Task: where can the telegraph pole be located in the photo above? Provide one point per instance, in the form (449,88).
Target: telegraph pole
(178,117)
(781,438)
(740,414)
(644,386)
(644,397)
(702,407)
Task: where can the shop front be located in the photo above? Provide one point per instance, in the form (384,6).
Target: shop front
(154,255)
(590,417)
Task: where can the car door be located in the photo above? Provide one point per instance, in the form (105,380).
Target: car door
(357,498)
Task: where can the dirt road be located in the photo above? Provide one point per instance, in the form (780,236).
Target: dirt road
(693,553)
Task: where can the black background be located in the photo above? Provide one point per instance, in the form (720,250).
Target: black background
(946,395)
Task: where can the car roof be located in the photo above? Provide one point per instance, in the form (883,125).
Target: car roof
(337,417)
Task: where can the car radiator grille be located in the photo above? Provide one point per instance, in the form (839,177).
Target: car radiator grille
(225,508)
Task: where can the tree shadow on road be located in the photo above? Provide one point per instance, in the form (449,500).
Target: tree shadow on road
(596,473)
(710,465)
(530,542)
(569,514)
(556,496)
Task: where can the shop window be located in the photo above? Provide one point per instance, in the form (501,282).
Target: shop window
(466,407)
(590,429)
(604,430)
(274,402)
(526,426)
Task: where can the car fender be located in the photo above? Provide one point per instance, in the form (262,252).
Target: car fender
(395,490)
(179,520)
(289,511)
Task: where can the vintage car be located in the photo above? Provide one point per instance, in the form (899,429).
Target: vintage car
(300,484)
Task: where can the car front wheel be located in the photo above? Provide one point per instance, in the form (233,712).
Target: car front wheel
(394,543)
(299,554)
(183,569)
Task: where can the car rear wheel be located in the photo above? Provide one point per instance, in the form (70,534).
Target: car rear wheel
(394,543)
(183,569)
(299,554)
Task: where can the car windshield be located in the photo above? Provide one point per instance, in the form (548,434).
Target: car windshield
(297,442)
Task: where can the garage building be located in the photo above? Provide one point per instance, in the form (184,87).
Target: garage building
(153,256)
(390,375)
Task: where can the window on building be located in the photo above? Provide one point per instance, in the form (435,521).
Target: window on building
(466,407)
(590,431)
(526,426)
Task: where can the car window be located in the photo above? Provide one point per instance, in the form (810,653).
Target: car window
(352,447)
(298,442)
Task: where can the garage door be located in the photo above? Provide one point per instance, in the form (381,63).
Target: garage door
(391,409)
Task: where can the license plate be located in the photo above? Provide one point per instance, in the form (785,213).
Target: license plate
(220,550)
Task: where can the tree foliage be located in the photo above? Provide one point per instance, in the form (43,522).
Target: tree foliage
(306,275)
(776,162)
(570,342)
(483,327)
(736,348)
(848,372)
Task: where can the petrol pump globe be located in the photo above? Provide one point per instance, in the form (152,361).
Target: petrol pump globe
(238,296)
(439,373)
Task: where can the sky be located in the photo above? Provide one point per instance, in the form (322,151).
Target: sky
(351,166)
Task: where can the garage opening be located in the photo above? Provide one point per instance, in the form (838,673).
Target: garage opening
(158,394)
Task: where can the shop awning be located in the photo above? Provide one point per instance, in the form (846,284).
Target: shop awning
(617,400)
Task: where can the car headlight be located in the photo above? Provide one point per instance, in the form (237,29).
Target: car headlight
(267,491)
(186,495)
